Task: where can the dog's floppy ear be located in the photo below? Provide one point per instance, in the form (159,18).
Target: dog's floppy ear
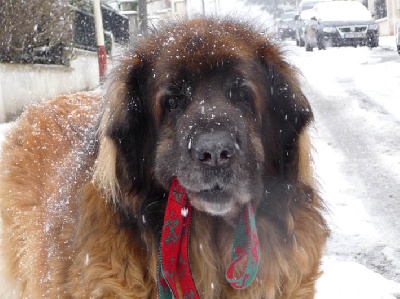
(126,131)
(289,112)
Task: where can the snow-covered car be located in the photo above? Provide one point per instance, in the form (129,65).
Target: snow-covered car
(303,16)
(286,25)
(398,37)
(340,23)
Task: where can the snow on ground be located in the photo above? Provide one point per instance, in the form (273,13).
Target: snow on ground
(371,71)
(381,83)
(346,279)
(349,280)
(3,130)
(388,42)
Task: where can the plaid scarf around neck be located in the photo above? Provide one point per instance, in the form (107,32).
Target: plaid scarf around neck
(174,265)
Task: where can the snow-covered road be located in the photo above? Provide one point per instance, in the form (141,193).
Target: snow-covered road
(354,93)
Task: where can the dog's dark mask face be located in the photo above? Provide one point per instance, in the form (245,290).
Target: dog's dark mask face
(221,112)
(210,137)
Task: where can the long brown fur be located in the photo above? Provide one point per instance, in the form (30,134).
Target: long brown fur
(70,212)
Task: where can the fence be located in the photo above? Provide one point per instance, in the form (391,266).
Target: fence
(54,50)
(114,23)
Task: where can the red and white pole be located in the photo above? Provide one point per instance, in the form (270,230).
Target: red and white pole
(101,50)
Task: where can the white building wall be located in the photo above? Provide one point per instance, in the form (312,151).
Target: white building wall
(178,7)
(387,26)
(22,84)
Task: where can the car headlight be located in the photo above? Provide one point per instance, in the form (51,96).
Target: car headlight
(329,29)
(373,27)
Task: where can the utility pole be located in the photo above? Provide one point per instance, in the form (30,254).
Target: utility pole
(101,50)
(142,8)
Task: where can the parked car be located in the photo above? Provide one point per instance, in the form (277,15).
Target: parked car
(340,23)
(286,25)
(302,17)
(398,37)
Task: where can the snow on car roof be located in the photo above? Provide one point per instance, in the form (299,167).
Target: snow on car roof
(306,14)
(342,10)
(308,4)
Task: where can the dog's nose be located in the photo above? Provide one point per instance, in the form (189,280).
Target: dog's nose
(214,149)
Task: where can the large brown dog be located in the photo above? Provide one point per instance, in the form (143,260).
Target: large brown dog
(85,181)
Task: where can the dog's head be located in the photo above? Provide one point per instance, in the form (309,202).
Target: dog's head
(211,102)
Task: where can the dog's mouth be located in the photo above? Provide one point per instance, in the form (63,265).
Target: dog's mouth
(217,200)
(212,194)
(213,190)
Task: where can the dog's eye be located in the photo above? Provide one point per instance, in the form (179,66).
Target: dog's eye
(172,103)
(238,82)
(240,93)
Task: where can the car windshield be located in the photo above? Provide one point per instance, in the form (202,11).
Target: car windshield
(342,10)
(288,16)
(309,5)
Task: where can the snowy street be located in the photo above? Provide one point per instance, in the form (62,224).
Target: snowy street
(355,96)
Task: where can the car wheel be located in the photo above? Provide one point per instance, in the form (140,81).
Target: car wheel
(373,44)
(309,48)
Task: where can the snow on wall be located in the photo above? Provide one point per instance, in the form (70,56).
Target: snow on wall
(21,84)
